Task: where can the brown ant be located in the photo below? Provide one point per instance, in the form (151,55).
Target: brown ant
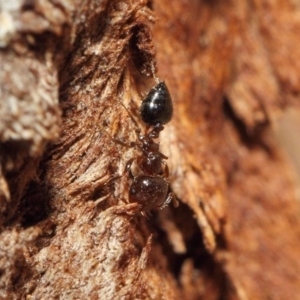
(151,189)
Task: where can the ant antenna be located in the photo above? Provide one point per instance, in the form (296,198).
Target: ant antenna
(137,130)
(127,145)
(127,86)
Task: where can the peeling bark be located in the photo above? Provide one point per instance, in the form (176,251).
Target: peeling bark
(68,72)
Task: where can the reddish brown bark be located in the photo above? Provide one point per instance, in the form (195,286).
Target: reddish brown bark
(68,70)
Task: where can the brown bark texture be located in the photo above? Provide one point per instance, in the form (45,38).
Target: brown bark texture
(73,75)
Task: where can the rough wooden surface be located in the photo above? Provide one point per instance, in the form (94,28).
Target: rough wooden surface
(67,70)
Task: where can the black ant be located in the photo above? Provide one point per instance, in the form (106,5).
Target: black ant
(151,190)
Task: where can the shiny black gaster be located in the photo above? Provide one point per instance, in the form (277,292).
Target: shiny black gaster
(157,107)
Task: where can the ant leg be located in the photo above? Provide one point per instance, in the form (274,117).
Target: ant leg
(163,156)
(137,130)
(167,202)
(128,166)
(171,197)
(146,214)
(174,200)
(127,145)
(125,201)
(167,173)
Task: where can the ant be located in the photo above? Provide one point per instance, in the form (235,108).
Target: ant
(151,188)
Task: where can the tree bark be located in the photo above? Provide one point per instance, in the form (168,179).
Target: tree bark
(73,75)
